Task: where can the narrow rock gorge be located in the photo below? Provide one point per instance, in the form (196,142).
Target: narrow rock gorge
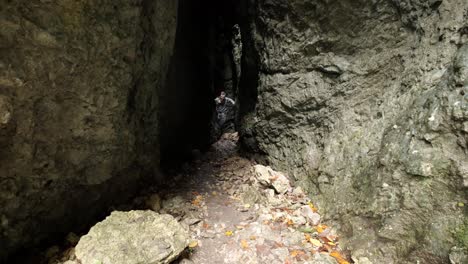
(363,104)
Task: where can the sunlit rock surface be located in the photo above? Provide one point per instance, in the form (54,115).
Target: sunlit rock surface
(365,104)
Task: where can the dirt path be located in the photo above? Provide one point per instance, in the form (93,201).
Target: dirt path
(240,212)
(236,215)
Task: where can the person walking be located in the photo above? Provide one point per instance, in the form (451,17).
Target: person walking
(224,106)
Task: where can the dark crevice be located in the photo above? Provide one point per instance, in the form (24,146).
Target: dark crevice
(201,61)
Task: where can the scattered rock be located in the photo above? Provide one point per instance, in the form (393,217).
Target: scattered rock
(313,217)
(173,203)
(191,221)
(72,239)
(154,202)
(251,195)
(281,253)
(323,259)
(270,178)
(298,191)
(362,260)
(133,237)
(458,256)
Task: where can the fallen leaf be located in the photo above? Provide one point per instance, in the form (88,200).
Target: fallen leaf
(306,230)
(311,205)
(289,222)
(315,242)
(193,244)
(321,228)
(278,245)
(229,233)
(296,253)
(244,244)
(253,237)
(329,239)
(339,257)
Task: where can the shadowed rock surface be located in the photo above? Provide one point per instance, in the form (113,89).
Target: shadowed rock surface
(78,109)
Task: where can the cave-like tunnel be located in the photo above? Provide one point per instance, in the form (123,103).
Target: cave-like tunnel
(236,131)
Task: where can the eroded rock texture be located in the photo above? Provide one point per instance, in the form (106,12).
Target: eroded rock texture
(365,103)
(79,87)
(133,237)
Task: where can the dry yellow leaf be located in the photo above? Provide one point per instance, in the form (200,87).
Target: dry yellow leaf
(296,253)
(253,237)
(339,257)
(193,244)
(229,233)
(315,242)
(311,205)
(244,244)
(321,228)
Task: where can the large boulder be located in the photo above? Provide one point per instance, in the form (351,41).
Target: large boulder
(133,237)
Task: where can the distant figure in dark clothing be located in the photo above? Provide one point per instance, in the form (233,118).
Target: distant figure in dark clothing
(224,108)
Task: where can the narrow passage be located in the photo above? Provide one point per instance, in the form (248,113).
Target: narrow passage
(239,212)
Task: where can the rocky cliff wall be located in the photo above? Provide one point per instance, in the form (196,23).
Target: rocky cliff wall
(365,104)
(79,98)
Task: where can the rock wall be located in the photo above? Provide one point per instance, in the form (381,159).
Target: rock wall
(79,98)
(365,104)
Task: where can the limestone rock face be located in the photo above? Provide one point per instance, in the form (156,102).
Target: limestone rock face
(133,237)
(79,85)
(365,104)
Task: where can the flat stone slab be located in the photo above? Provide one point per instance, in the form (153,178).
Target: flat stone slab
(133,237)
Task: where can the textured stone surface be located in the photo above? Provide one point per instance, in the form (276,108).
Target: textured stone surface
(270,178)
(365,104)
(133,237)
(78,108)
